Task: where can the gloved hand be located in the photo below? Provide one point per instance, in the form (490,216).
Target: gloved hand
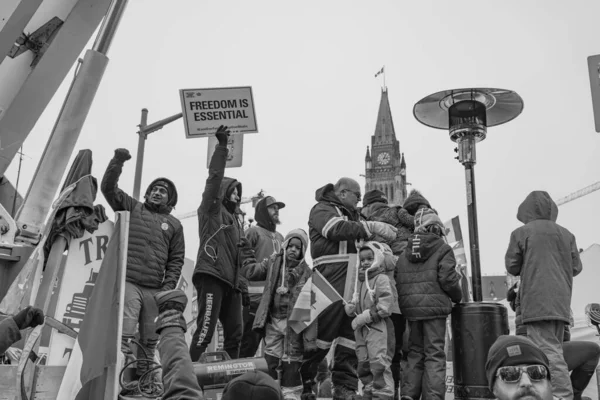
(29,317)
(222,135)
(350,309)
(380,231)
(122,155)
(362,319)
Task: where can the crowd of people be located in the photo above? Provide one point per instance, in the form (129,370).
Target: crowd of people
(391,265)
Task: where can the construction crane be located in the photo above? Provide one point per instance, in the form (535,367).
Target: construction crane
(580,193)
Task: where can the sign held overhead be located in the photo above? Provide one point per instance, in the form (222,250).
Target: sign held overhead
(235,145)
(204,110)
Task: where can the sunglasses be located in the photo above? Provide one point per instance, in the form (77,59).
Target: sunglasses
(536,373)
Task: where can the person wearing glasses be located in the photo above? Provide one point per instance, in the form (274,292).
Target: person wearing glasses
(334,227)
(517,369)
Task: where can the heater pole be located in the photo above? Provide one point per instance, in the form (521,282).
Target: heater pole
(473,232)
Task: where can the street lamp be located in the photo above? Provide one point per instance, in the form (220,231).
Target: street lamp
(466,114)
(144,131)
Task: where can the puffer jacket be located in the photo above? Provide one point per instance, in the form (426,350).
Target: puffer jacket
(220,229)
(156,248)
(545,256)
(395,216)
(427,281)
(270,270)
(379,297)
(333,231)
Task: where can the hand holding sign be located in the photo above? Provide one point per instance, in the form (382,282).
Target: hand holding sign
(222,135)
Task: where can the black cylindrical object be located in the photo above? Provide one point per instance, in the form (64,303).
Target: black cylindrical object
(475,327)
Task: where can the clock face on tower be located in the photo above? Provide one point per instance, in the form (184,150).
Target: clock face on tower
(383,158)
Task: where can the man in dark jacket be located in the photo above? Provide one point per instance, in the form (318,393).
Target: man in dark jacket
(427,285)
(334,227)
(155,253)
(217,273)
(545,256)
(265,241)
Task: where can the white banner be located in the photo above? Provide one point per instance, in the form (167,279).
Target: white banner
(81,270)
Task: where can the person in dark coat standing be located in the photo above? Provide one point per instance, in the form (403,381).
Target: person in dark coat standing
(427,284)
(334,227)
(266,241)
(546,257)
(155,253)
(217,276)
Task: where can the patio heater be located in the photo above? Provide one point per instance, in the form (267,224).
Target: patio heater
(466,114)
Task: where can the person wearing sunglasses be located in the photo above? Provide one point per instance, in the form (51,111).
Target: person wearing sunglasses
(517,369)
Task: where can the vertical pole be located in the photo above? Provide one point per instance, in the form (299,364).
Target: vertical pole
(112,379)
(139,162)
(473,231)
(42,299)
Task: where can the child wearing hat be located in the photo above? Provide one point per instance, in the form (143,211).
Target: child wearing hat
(427,284)
(285,274)
(374,300)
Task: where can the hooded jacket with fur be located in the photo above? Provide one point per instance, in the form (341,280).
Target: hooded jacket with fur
(271,270)
(545,256)
(426,279)
(156,247)
(219,226)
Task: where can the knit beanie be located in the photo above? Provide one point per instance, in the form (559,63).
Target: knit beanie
(374,196)
(168,185)
(426,217)
(413,201)
(253,385)
(510,351)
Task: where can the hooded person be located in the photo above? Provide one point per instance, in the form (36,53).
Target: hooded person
(546,257)
(151,225)
(427,285)
(285,274)
(374,300)
(221,252)
(264,239)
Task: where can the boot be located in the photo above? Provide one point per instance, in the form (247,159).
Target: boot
(171,305)
(344,393)
(396,375)
(307,390)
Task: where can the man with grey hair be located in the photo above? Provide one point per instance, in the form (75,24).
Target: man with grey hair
(334,228)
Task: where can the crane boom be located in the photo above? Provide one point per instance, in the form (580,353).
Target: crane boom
(580,193)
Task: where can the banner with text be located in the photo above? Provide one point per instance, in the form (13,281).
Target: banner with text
(80,272)
(204,110)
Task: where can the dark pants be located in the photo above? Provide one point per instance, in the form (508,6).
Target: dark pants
(217,301)
(250,339)
(399,327)
(426,366)
(582,359)
(331,324)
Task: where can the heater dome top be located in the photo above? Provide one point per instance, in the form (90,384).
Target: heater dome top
(501,106)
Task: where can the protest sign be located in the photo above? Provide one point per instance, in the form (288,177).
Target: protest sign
(204,110)
(235,144)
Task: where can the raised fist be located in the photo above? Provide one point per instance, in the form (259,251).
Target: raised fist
(222,135)
(122,155)
(29,318)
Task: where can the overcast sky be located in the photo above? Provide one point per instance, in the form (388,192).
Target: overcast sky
(311,65)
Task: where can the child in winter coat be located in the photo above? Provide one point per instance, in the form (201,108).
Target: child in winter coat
(373,302)
(285,275)
(427,284)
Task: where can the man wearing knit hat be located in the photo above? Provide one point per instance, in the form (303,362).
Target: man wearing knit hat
(264,239)
(546,257)
(153,227)
(517,369)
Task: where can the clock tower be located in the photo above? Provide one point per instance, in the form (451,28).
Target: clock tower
(385,167)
